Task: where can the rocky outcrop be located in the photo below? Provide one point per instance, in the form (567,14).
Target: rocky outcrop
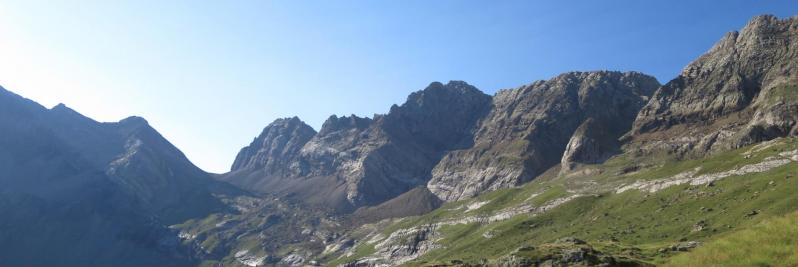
(401,246)
(742,91)
(529,128)
(689,177)
(353,161)
(397,151)
(560,254)
(591,143)
(407,244)
(276,147)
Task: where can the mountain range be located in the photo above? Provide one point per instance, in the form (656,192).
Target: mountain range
(593,168)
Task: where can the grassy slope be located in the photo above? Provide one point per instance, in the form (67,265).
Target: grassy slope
(771,243)
(632,224)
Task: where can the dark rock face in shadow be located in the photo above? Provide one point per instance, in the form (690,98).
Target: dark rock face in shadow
(72,186)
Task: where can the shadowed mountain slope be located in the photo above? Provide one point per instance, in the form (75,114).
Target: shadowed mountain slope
(72,187)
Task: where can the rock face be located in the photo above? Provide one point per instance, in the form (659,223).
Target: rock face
(276,147)
(400,247)
(353,162)
(562,255)
(529,128)
(72,186)
(742,91)
(452,138)
(591,143)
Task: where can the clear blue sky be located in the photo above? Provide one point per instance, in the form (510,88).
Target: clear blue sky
(210,75)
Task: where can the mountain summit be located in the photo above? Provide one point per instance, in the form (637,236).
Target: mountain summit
(529,128)
(742,91)
(355,161)
(450,137)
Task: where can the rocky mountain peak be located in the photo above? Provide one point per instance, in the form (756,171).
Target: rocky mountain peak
(435,91)
(528,129)
(278,143)
(637,83)
(768,24)
(135,125)
(757,41)
(134,120)
(12,103)
(725,98)
(63,109)
(292,122)
(427,115)
(365,161)
(60,106)
(68,116)
(335,123)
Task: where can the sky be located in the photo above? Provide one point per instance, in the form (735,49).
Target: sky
(209,75)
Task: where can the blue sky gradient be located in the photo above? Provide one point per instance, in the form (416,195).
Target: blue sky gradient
(210,75)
